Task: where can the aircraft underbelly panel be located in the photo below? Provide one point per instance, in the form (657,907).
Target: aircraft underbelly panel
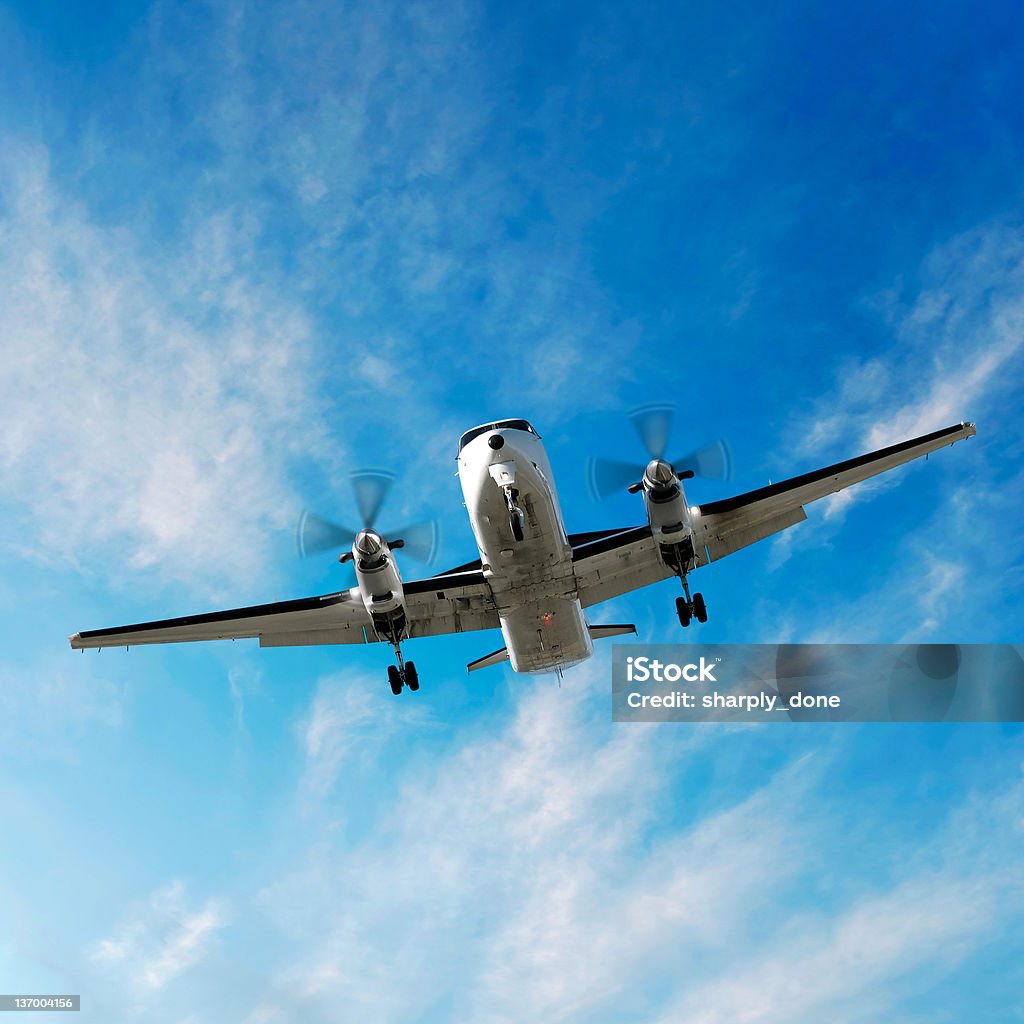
(546,635)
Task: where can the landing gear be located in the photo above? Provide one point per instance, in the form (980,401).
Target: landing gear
(412,678)
(515,524)
(516,519)
(688,608)
(403,674)
(395,679)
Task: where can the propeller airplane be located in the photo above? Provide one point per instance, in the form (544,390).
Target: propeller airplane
(533,580)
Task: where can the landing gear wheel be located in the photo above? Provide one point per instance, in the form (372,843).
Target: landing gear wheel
(683,611)
(412,678)
(395,679)
(515,522)
(700,613)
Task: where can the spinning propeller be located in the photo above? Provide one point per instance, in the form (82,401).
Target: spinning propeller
(654,424)
(316,535)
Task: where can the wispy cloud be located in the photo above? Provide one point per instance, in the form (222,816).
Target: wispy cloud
(526,875)
(840,969)
(951,894)
(350,716)
(345,247)
(145,398)
(268,245)
(47,707)
(161,938)
(956,354)
(956,349)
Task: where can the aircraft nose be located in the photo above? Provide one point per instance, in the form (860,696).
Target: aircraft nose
(660,472)
(369,542)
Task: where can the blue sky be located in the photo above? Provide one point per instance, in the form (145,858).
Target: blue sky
(245,250)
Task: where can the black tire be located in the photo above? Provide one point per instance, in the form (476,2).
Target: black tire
(395,679)
(700,612)
(683,611)
(412,677)
(515,522)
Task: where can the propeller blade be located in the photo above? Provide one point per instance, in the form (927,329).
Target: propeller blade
(371,487)
(420,540)
(607,476)
(654,424)
(713,461)
(314,535)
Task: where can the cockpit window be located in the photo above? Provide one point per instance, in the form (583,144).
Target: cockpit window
(469,435)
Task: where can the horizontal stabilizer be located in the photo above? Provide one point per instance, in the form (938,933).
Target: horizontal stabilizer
(599,632)
(489,659)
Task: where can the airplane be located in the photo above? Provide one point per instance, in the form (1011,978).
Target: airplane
(533,580)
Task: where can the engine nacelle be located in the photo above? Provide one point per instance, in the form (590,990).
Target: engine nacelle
(380,584)
(667,511)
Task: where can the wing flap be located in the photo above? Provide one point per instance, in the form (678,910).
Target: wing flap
(355,634)
(719,540)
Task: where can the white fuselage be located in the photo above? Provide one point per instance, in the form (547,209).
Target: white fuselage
(532,579)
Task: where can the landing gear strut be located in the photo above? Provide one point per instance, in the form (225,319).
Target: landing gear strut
(688,608)
(516,519)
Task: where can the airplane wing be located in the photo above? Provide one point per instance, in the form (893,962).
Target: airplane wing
(452,602)
(723,527)
(614,562)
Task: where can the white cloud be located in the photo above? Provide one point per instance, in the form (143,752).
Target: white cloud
(351,713)
(135,433)
(944,898)
(956,355)
(541,863)
(170,374)
(838,969)
(161,938)
(524,875)
(943,580)
(956,350)
(47,708)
